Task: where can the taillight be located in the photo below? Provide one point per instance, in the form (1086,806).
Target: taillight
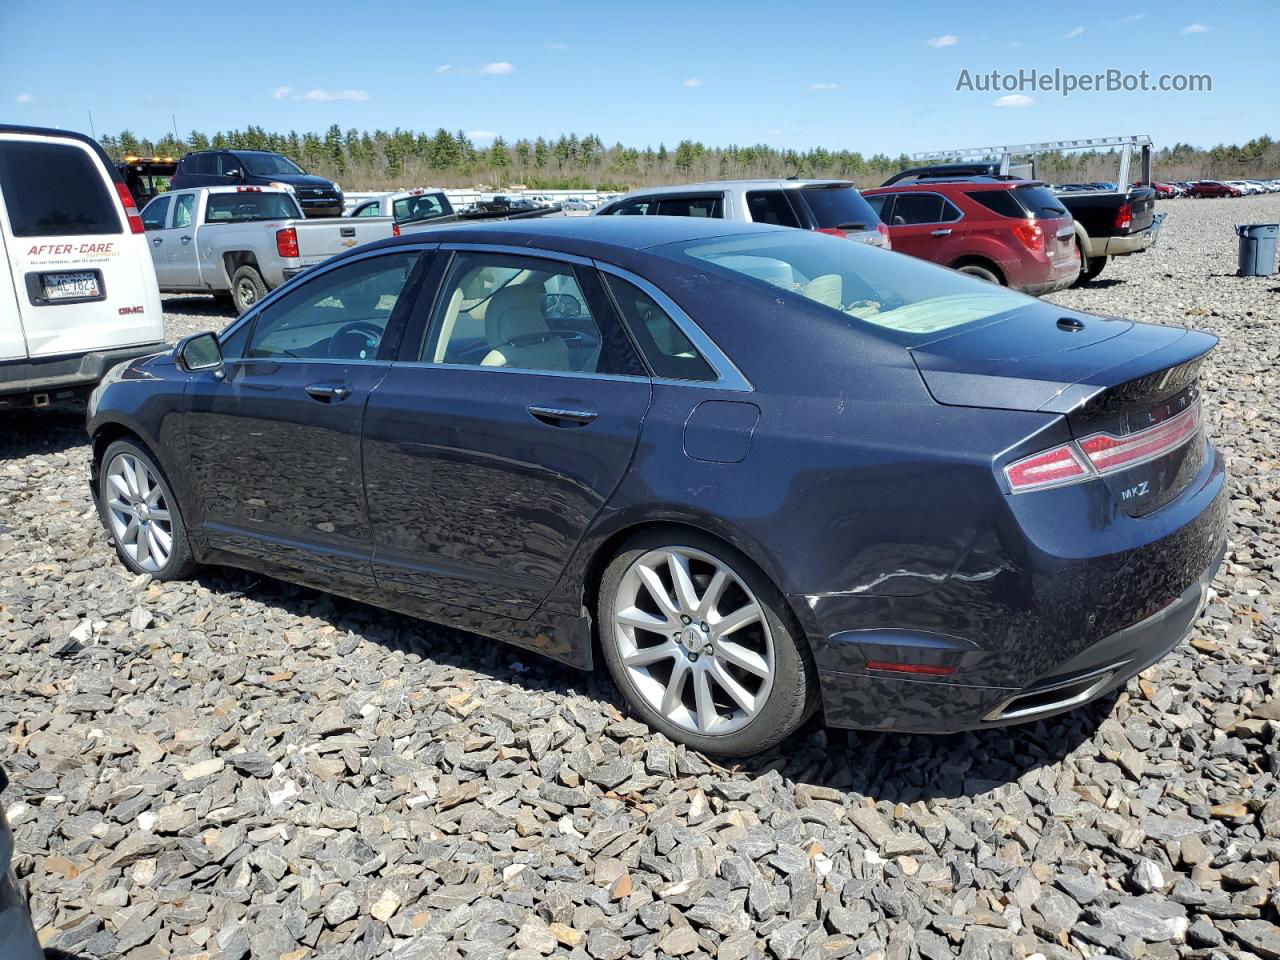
(1031,235)
(923,669)
(1108,453)
(884,233)
(1124,216)
(287,242)
(1102,453)
(1051,468)
(834,231)
(130,208)
(395,229)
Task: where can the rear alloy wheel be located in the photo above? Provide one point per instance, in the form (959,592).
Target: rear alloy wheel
(247,288)
(141,514)
(699,642)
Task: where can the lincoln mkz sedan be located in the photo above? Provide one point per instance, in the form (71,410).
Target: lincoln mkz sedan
(755,471)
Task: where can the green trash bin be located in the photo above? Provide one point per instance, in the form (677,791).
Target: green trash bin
(1257,248)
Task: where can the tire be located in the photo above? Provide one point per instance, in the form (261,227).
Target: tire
(1093,268)
(140,545)
(981,272)
(781,686)
(247,288)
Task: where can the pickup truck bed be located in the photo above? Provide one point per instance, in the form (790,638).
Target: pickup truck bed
(239,242)
(1112,223)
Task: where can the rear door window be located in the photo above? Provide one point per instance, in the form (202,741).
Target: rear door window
(771,206)
(55,190)
(913,208)
(206,165)
(671,355)
(882,204)
(154,213)
(184,210)
(837,207)
(710,206)
(635,207)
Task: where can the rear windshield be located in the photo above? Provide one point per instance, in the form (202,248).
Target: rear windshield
(55,190)
(242,207)
(909,299)
(838,207)
(413,209)
(1040,202)
(268,164)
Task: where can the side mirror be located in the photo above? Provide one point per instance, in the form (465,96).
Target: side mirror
(235,174)
(200,351)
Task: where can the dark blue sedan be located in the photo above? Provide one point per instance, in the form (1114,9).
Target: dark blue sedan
(756,471)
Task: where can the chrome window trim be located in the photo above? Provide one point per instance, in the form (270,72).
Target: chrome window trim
(578,374)
(728,376)
(311,272)
(533,253)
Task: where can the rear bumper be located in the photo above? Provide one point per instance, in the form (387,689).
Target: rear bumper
(25,379)
(876,702)
(1134,243)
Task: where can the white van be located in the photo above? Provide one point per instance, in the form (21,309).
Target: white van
(78,289)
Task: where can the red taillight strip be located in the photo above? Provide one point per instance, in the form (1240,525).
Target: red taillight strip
(1108,454)
(1102,454)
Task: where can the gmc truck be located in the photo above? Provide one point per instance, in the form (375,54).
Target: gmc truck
(239,242)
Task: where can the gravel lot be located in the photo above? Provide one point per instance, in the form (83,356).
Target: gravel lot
(237,768)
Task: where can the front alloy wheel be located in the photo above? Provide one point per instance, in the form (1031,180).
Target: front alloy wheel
(141,514)
(698,640)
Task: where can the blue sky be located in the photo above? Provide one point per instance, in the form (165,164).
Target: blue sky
(871,78)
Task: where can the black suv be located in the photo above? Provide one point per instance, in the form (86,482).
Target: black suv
(221,168)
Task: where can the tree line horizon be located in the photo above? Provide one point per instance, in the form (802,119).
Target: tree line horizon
(361,160)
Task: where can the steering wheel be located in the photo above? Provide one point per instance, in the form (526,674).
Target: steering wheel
(358,339)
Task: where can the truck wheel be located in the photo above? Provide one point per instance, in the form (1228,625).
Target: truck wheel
(1089,269)
(247,288)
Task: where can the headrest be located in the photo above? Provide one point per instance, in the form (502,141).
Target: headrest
(515,313)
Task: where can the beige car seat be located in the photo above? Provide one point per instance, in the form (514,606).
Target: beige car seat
(518,333)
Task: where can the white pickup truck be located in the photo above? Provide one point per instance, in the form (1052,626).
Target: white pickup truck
(239,242)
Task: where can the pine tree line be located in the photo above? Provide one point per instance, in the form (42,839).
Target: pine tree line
(360,160)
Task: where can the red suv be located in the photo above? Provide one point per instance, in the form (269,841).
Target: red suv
(1012,232)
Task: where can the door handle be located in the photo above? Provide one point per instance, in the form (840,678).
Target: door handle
(328,392)
(188,239)
(561,416)
(944,232)
(156,241)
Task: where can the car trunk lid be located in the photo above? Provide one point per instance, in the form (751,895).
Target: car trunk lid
(1129,391)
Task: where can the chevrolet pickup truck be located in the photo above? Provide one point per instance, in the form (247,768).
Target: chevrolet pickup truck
(239,242)
(1108,223)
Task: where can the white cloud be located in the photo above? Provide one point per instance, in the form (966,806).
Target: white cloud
(1014,100)
(1195,28)
(825,86)
(317,95)
(1072,34)
(23,98)
(946,40)
(497,69)
(1133,18)
(693,82)
(444,68)
(481,135)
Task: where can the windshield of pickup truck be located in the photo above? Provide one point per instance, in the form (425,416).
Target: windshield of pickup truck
(269,164)
(901,296)
(242,207)
(413,209)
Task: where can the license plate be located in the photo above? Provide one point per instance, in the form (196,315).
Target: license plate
(71,286)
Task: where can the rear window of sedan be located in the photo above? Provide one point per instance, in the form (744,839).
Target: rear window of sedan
(909,299)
